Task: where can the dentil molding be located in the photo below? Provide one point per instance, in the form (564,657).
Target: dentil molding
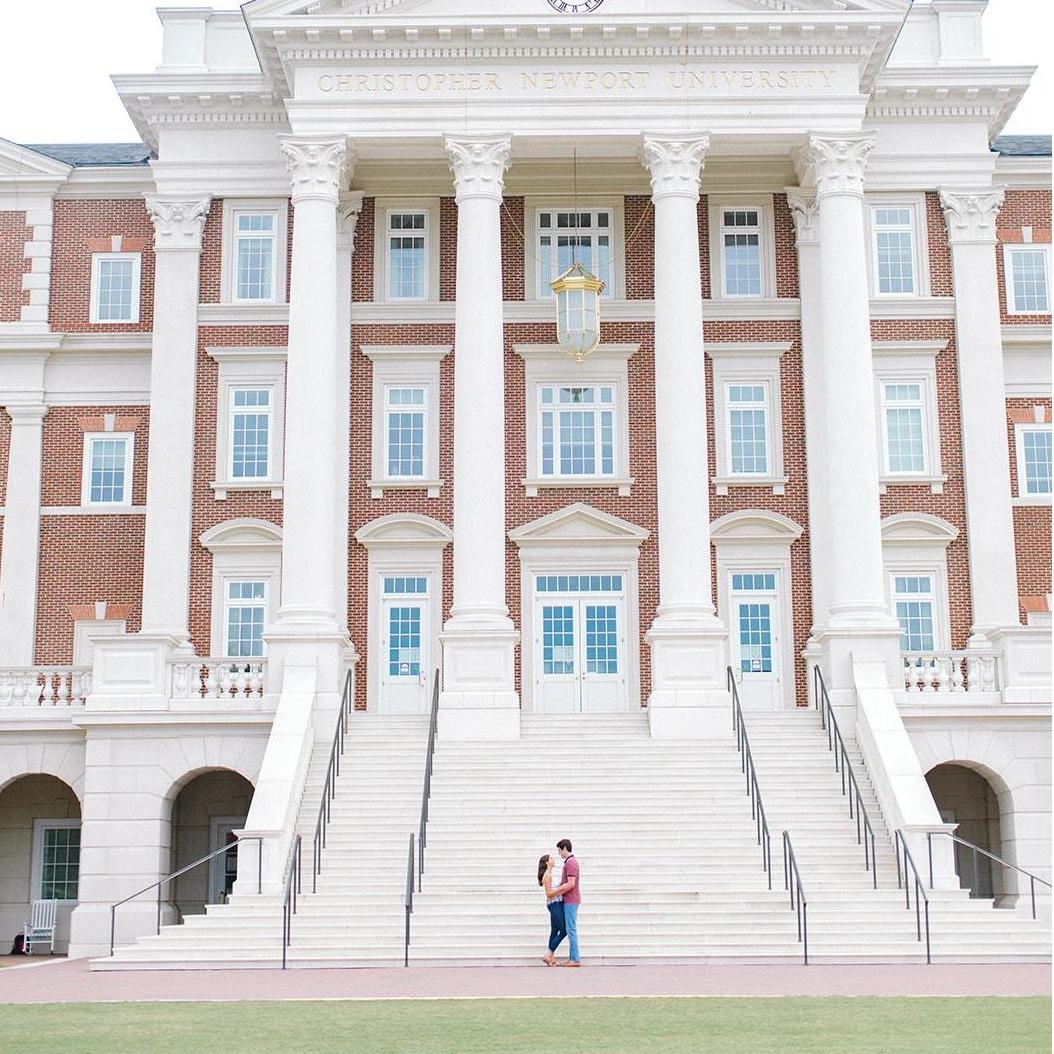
(836,163)
(178,222)
(317,167)
(479,166)
(674,164)
(971,214)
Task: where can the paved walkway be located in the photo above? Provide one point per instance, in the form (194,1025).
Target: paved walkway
(64,981)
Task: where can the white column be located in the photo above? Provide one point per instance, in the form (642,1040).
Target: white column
(173,377)
(971,217)
(21,538)
(689,645)
(479,699)
(847,494)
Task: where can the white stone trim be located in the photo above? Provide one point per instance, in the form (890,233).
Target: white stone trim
(916,202)
(1009,249)
(763,205)
(548,364)
(414,365)
(1026,361)
(40,217)
(382,207)
(228,257)
(137,266)
(748,363)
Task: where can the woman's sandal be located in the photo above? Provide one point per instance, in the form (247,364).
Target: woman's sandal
(548,960)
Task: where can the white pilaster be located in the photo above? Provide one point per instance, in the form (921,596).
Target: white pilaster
(689,644)
(846,492)
(971,218)
(21,536)
(479,699)
(178,224)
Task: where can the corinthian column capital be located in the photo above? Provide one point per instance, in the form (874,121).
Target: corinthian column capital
(675,164)
(317,166)
(805,213)
(348,209)
(971,214)
(478,164)
(178,222)
(835,163)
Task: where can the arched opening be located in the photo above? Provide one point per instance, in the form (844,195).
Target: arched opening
(40,820)
(205,812)
(964,797)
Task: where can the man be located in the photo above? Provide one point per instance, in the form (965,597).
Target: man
(572,894)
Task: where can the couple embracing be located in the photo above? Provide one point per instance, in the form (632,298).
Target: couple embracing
(562,900)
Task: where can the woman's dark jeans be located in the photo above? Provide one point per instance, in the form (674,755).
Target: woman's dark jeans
(557,929)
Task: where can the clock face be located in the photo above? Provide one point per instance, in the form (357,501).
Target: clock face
(575,7)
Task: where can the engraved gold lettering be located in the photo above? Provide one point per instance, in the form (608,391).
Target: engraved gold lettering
(492,82)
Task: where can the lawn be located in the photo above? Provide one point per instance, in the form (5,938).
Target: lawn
(538,1026)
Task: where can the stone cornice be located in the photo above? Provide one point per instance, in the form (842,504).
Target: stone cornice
(479,165)
(178,222)
(675,164)
(971,214)
(317,167)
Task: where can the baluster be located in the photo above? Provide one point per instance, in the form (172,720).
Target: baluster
(23,696)
(181,680)
(943,666)
(988,673)
(46,688)
(922,674)
(256,679)
(909,674)
(210,680)
(241,680)
(957,673)
(973,673)
(7,688)
(77,692)
(63,688)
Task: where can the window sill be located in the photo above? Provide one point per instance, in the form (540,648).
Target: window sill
(532,486)
(777,484)
(379,486)
(91,510)
(1031,499)
(935,483)
(223,487)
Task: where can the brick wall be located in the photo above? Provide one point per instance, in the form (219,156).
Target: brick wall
(362,260)
(1021,208)
(5,453)
(13,264)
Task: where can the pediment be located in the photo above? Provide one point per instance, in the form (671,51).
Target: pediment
(242,534)
(19,164)
(914,528)
(404,530)
(578,523)
(758,526)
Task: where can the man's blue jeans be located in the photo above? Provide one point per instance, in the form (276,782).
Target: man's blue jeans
(571,925)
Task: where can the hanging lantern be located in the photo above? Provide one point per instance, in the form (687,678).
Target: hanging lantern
(577,311)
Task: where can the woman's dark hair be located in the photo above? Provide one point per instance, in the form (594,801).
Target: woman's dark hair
(543,866)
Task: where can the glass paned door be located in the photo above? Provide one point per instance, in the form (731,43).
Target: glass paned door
(755,639)
(405,634)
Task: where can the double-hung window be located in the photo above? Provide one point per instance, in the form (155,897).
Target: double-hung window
(1027,279)
(249,420)
(244,614)
(107,469)
(748,431)
(893,237)
(255,256)
(904,425)
(56,867)
(741,264)
(405,432)
(407,249)
(1033,445)
(576,431)
(567,236)
(115,287)
(914,602)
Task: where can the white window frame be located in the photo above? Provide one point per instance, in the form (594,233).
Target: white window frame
(249,368)
(266,411)
(232,208)
(909,362)
(1008,277)
(534,206)
(546,364)
(385,207)
(136,259)
(916,203)
(129,465)
(405,366)
(37,868)
(227,602)
(750,364)
(941,629)
(1023,496)
(426,411)
(762,204)
(556,408)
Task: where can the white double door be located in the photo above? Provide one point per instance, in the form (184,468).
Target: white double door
(580,649)
(757,659)
(405,636)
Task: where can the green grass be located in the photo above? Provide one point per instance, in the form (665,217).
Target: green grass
(538,1026)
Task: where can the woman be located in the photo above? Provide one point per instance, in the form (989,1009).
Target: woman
(557,931)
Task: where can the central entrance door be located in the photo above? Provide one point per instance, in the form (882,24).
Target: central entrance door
(580,643)
(756,639)
(405,633)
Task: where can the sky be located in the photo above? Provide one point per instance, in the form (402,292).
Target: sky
(56,59)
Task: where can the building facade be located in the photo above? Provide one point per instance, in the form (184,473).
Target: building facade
(284,399)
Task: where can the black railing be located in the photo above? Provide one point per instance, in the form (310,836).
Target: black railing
(426,787)
(975,850)
(922,901)
(757,810)
(294,881)
(799,903)
(329,788)
(160,883)
(865,833)
(408,901)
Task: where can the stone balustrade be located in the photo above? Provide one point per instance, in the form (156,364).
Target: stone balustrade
(45,686)
(972,672)
(217,678)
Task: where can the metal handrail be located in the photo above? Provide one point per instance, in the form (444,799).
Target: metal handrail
(182,871)
(865,833)
(329,788)
(426,788)
(901,845)
(798,901)
(293,888)
(408,901)
(757,810)
(1033,879)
